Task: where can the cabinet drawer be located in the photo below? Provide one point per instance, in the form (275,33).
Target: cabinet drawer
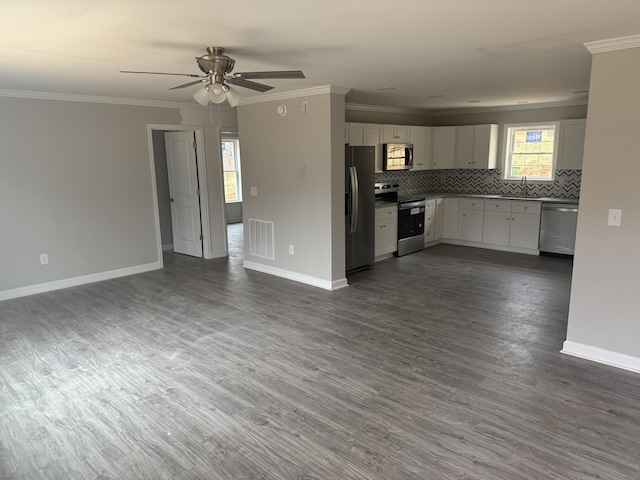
(383,213)
(471,204)
(497,205)
(526,207)
(430,205)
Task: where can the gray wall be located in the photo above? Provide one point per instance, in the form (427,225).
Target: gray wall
(75,183)
(162,187)
(296,162)
(604,310)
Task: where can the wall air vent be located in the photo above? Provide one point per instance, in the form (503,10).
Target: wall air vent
(261,239)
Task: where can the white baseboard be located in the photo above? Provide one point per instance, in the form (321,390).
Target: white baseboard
(600,355)
(75,281)
(167,246)
(298,277)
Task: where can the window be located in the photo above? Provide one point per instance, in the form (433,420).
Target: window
(530,152)
(231,170)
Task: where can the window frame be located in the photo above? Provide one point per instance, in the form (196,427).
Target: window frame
(508,133)
(238,167)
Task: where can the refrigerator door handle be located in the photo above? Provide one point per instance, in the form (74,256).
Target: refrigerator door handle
(353,176)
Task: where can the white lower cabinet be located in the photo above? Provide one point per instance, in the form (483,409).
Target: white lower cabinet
(430,221)
(386,231)
(451,217)
(512,224)
(525,225)
(471,219)
(439,230)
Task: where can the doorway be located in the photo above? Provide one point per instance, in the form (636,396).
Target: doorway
(165,221)
(232,187)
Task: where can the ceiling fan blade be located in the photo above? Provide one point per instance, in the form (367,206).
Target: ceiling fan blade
(165,73)
(272,74)
(188,84)
(241,82)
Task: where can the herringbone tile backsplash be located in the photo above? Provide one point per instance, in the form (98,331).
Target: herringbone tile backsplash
(565,185)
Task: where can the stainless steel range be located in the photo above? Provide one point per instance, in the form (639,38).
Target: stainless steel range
(410,224)
(410,217)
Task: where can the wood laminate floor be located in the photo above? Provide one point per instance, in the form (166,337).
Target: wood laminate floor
(442,364)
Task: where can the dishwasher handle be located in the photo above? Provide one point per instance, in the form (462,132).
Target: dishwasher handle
(554,208)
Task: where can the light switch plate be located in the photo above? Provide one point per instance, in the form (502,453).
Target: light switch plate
(254,191)
(615,217)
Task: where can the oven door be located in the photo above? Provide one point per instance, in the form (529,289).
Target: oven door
(410,219)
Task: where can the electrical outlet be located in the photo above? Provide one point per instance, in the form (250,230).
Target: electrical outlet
(44,259)
(291,250)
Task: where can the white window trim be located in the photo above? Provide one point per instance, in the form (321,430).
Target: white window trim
(505,151)
(235,139)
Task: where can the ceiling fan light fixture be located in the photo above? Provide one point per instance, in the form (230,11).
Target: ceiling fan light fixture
(217,93)
(202,96)
(233,97)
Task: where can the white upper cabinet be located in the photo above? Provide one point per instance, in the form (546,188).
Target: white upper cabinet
(396,134)
(444,147)
(367,134)
(464,146)
(421,138)
(476,146)
(571,144)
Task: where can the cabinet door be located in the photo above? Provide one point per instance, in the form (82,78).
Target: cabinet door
(429,226)
(439,230)
(373,138)
(421,138)
(497,227)
(403,134)
(485,146)
(444,146)
(464,146)
(525,230)
(450,218)
(356,134)
(470,225)
(571,144)
(386,236)
(396,134)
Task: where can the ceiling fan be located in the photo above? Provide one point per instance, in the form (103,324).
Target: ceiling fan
(217,79)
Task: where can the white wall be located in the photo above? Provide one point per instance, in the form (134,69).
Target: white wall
(604,315)
(213,121)
(75,183)
(296,162)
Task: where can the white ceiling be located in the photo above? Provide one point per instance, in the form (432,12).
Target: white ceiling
(436,54)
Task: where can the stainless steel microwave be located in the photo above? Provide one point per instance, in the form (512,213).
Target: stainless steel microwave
(397,156)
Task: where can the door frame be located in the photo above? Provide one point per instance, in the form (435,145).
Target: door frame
(202,184)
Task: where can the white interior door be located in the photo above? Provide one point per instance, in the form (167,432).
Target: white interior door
(183,190)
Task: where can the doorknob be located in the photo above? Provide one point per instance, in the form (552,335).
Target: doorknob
(172,199)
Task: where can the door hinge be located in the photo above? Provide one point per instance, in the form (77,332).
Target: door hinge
(201,237)
(198,192)
(195,145)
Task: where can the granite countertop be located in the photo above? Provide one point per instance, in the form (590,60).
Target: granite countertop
(571,201)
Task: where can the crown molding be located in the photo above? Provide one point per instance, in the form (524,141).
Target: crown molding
(305,92)
(357,107)
(632,41)
(68,97)
(507,108)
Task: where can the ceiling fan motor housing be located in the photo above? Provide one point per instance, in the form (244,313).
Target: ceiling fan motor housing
(216,63)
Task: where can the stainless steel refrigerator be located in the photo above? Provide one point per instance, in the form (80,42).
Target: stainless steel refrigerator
(360,207)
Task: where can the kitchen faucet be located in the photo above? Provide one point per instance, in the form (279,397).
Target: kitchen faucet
(523,184)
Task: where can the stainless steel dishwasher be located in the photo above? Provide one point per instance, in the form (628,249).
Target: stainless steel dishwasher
(558,228)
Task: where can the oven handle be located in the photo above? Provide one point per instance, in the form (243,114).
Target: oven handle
(353,177)
(410,205)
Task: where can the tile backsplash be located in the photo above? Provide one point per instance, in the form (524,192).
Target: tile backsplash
(565,185)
